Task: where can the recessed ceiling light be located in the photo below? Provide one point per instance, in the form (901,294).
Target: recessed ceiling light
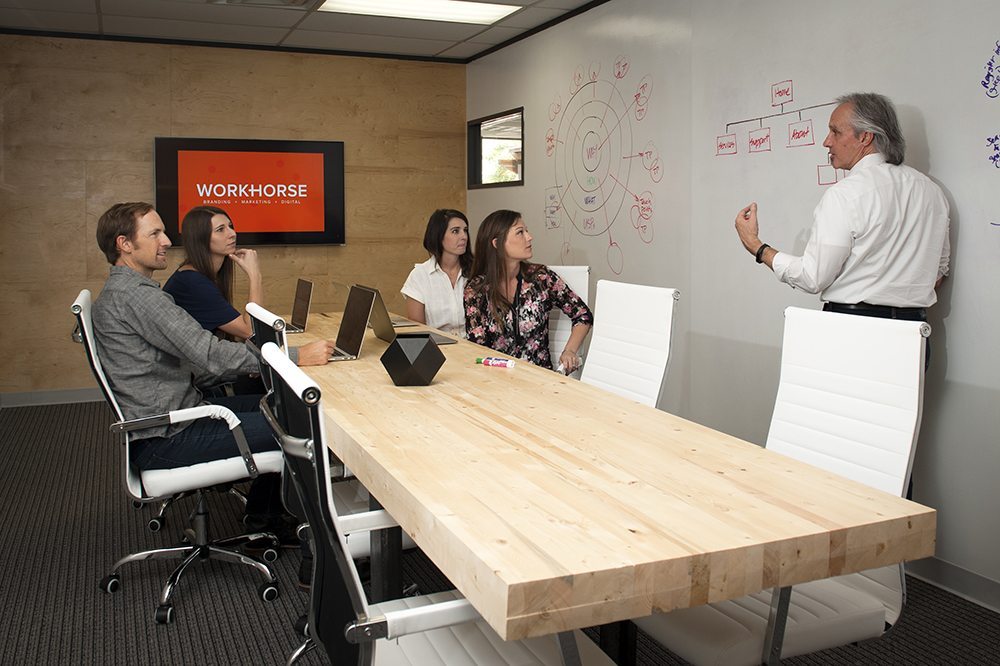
(453,11)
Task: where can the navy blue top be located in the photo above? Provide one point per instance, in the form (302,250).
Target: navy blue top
(201,298)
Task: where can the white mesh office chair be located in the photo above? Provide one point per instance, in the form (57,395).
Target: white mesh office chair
(436,629)
(849,401)
(630,345)
(561,326)
(155,485)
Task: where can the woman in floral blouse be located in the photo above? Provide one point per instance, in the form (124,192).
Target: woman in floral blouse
(508,299)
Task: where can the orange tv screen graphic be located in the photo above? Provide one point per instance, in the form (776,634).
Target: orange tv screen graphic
(277,192)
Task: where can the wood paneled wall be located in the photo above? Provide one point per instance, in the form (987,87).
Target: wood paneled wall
(77,122)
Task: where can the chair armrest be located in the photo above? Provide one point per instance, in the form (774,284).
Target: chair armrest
(193,414)
(398,623)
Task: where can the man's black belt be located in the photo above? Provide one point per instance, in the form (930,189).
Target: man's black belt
(884,311)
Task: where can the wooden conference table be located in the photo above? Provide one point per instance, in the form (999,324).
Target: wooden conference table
(554,505)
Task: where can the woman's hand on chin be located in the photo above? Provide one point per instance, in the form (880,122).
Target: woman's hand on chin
(247,260)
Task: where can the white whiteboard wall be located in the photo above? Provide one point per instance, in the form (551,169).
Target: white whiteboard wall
(606,146)
(714,64)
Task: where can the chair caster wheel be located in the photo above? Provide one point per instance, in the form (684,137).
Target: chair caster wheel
(155,524)
(164,614)
(270,555)
(301,625)
(268,591)
(111,583)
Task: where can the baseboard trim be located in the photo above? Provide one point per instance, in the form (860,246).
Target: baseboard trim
(50,397)
(962,582)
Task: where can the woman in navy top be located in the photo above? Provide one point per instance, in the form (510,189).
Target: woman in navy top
(203,285)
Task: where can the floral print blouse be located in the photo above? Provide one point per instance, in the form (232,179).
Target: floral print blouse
(541,291)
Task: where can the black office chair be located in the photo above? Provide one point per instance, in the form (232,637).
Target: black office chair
(158,485)
(341,622)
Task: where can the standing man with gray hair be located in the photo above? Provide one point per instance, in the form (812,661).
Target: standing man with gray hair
(879,243)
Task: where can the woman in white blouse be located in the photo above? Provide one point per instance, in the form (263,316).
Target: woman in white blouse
(434,289)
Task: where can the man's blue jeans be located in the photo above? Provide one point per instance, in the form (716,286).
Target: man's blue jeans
(206,440)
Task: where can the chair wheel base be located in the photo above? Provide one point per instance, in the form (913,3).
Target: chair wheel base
(164,614)
(111,583)
(268,591)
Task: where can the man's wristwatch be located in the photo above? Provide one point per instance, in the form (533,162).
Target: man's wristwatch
(760,253)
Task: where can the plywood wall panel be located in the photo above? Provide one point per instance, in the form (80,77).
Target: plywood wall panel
(78,121)
(36,241)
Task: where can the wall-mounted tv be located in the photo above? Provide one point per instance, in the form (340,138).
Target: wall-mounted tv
(276,192)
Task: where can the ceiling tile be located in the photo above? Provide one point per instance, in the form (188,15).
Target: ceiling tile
(78,6)
(340,41)
(48,21)
(530,18)
(190,30)
(564,5)
(465,50)
(202,12)
(497,35)
(198,20)
(395,27)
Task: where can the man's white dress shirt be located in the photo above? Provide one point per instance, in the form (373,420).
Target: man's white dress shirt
(880,236)
(443,305)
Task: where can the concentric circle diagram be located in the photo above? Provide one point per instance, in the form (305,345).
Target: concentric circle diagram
(595,159)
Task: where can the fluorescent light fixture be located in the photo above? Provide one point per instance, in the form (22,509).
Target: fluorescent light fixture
(453,11)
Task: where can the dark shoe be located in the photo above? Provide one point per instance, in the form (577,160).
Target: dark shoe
(283,526)
(306,574)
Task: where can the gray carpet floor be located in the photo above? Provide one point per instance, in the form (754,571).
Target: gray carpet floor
(66,520)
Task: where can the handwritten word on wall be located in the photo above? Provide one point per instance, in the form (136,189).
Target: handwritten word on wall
(991,81)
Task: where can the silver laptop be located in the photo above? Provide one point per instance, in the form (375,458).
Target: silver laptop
(300,308)
(398,322)
(383,324)
(352,326)
(379,319)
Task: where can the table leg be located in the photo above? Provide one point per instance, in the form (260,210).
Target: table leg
(774,635)
(386,561)
(570,650)
(618,642)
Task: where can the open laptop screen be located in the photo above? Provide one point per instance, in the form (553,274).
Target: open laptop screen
(300,308)
(352,326)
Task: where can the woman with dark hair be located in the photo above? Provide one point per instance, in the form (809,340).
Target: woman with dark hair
(434,289)
(508,299)
(203,285)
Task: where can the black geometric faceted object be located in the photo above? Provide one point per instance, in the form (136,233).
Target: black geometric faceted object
(412,359)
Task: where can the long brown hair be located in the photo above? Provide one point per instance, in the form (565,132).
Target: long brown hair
(196,234)
(489,265)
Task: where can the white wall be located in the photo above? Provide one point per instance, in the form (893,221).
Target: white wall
(538,74)
(714,62)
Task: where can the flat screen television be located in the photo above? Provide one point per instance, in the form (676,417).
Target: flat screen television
(276,192)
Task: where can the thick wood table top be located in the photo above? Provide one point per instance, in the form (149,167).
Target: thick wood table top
(554,505)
